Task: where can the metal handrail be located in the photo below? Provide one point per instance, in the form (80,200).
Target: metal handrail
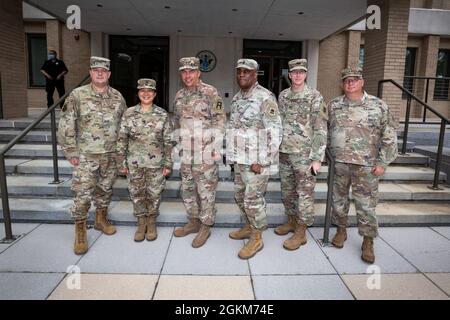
(3,184)
(444,122)
(427,86)
(425,78)
(330,182)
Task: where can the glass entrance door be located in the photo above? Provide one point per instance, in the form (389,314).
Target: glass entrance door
(273,58)
(135,57)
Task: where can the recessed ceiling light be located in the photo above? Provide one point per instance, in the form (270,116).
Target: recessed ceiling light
(100,5)
(300,12)
(234,10)
(166,7)
(230,32)
(280,34)
(179,30)
(128,29)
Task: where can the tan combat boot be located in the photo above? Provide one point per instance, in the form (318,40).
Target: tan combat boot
(151,228)
(81,243)
(193,226)
(141,226)
(289,226)
(202,236)
(298,239)
(101,223)
(243,233)
(340,237)
(254,245)
(367,250)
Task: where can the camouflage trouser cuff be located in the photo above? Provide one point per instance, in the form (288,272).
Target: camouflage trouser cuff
(139,214)
(368,232)
(308,222)
(340,222)
(260,228)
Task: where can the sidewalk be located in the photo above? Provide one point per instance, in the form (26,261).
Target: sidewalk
(414,264)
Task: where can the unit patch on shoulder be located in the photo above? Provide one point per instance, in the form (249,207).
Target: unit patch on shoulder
(218,104)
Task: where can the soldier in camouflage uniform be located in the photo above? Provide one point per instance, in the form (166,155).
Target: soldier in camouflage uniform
(144,149)
(253,138)
(302,149)
(199,118)
(88,135)
(363,142)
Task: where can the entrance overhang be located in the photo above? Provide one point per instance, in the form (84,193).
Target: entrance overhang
(250,19)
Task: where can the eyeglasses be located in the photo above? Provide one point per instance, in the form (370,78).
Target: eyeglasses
(350,80)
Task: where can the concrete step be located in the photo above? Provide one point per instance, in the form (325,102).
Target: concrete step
(409,145)
(21,123)
(32,151)
(45,167)
(45,136)
(33,136)
(173,213)
(426,134)
(38,187)
(45,151)
(36,112)
(431,152)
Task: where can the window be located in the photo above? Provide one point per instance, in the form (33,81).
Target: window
(443,70)
(410,66)
(37,54)
(361,57)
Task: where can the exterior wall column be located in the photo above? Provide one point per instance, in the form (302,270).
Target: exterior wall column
(427,68)
(385,50)
(53,30)
(13,80)
(312,55)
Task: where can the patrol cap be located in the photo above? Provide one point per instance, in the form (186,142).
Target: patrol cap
(145,83)
(100,62)
(351,72)
(298,64)
(192,63)
(249,64)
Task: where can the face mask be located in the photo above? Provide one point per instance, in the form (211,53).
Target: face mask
(51,56)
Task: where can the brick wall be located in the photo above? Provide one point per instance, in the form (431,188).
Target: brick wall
(12,59)
(385,51)
(427,63)
(76,55)
(353,45)
(332,59)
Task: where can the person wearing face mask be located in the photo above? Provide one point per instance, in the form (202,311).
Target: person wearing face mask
(54,71)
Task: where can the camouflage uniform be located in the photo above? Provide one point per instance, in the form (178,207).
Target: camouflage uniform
(144,147)
(361,135)
(304,140)
(199,119)
(88,129)
(254,136)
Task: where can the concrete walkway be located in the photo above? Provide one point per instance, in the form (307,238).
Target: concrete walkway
(411,263)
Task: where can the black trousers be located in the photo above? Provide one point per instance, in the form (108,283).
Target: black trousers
(50,88)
